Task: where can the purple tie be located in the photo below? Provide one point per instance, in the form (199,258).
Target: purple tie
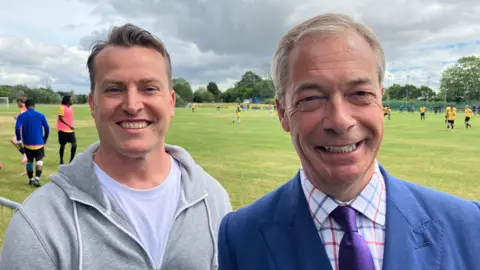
(354,253)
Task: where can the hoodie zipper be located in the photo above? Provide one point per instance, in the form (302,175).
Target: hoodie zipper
(149,261)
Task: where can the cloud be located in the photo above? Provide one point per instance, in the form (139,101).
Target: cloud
(218,40)
(87,41)
(13,77)
(30,62)
(18,51)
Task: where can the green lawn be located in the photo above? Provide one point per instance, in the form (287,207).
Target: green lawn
(252,158)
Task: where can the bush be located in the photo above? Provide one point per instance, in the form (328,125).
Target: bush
(270,101)
(179,102)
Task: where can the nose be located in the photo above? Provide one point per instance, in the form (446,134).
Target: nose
(132,103)
(338,116)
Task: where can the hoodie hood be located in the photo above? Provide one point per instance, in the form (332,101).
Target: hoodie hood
(79,180)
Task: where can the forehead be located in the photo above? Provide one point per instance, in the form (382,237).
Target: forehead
(126,63)
(332,58)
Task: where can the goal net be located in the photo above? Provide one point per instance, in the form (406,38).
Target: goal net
(4,102)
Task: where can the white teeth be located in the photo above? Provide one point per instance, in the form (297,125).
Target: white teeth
(134,125)
(341,149)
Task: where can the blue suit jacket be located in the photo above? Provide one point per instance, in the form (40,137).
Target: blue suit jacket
(426,229)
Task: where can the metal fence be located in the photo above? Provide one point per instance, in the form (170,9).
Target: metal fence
(7,208)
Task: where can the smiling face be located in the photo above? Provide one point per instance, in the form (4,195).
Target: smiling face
(132,103)
(333,109)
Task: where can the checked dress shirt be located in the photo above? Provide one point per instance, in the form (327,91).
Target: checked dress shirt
(371,210)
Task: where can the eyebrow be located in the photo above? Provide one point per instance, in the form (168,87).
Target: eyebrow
(310,86)
(357,82)
(142,81)
(112,82)
(149,80)
(320,88)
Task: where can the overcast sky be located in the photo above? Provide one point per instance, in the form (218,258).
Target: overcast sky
(218,40)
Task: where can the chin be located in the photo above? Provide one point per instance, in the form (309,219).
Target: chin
(345,174)
(339,174)
(135,149)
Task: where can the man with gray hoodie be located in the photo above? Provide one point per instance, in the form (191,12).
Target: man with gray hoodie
(129,201)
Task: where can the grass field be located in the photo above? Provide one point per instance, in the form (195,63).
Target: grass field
(254,157)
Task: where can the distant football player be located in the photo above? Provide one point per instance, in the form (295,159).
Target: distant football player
(468,115)
(447,110)
(237,114)
(451,116)
(32,132)
(66,131)
(423,109)
(21,106)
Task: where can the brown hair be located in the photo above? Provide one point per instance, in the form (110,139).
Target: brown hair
(21,99)
(128,36)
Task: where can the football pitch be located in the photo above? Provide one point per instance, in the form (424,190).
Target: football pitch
(254,157)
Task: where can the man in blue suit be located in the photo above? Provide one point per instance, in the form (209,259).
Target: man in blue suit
(343,210)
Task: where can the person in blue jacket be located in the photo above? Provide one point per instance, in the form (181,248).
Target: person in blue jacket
(32,132)
(343,210)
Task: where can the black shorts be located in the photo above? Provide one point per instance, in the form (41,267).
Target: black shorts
(451,121)
(467,119)
(36,155)
(66,137)
(385,114)
(422,114)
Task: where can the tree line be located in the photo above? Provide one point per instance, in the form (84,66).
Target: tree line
(412,92)
(42,95)
(459,83)
(250,86)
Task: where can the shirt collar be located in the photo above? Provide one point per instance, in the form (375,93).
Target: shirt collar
(370,202)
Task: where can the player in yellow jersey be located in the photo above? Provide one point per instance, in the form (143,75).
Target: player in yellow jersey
(387,111)
(423,109)
(447,109)
(237,112)
(13,140)
(468,115)
(270,110)
(451,116)
(194,106)
(454,109)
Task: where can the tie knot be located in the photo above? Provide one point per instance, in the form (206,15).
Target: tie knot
(346,217)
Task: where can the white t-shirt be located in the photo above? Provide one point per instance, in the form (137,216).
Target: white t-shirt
(151,212)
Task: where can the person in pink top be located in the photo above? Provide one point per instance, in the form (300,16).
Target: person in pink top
(66,131)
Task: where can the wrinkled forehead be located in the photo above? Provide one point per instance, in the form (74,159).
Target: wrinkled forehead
(336,59)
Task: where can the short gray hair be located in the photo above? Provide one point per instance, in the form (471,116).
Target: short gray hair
(319,25)
(128,35)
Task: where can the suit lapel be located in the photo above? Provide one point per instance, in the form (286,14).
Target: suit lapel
(291,234)
(413,239)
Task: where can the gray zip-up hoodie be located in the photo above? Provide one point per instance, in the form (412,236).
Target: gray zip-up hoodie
(70,224)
